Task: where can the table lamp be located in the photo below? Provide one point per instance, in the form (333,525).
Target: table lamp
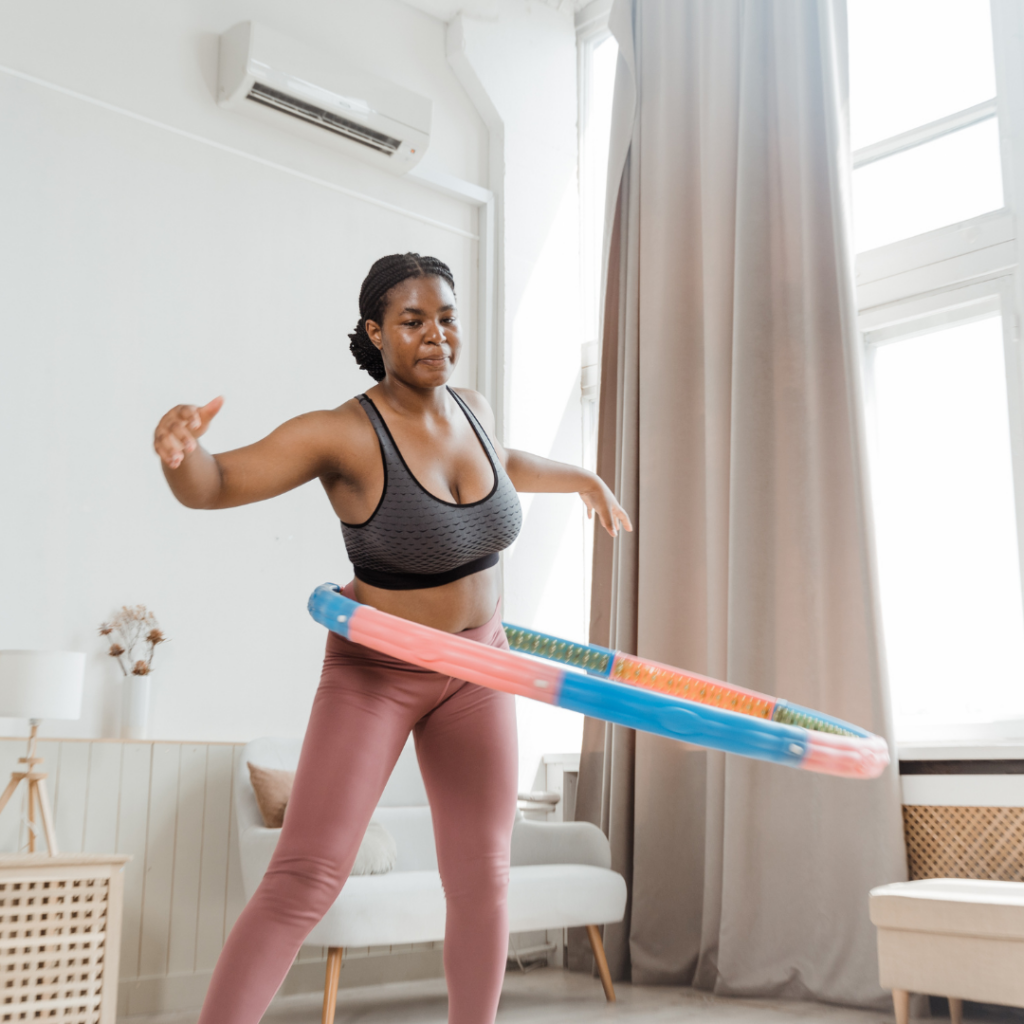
(37,685)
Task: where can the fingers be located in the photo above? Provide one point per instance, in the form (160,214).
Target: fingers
(608,522)
(208,411)
(176,433)
(609,512)
(613,519)
(170,448)
(173,443)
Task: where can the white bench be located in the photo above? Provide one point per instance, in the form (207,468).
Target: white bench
(561,873)
(953,937)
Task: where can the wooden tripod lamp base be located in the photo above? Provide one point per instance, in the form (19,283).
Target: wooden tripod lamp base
(37,798)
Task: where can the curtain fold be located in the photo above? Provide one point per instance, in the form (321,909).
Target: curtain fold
(730,427)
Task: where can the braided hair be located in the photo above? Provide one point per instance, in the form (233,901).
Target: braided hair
(387,272)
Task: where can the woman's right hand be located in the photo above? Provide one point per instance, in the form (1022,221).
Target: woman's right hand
(178,431)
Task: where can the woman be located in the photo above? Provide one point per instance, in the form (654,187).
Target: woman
(427,498)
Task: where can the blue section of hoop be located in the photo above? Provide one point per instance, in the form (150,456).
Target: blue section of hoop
(631,706)
(665,715)
(331,608)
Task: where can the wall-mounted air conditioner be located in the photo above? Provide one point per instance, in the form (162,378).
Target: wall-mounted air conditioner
(321,97)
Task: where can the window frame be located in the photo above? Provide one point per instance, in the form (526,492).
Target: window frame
(964,271)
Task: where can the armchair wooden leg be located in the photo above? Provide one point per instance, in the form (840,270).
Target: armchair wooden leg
(901,1004)
(334,954)
(602,963)
(956,1011)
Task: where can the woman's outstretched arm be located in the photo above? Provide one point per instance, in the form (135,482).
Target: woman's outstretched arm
(296,452)
(533,474)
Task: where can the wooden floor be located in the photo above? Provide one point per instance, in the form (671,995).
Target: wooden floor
(551,996)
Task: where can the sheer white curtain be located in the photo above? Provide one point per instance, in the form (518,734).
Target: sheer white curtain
(730,424)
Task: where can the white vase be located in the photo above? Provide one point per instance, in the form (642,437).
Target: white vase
(135,707)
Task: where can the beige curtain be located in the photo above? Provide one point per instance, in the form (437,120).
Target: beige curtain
(730,425)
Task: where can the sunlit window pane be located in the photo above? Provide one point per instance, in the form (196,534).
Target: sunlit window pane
(951,179)
(915,61)
(947,543)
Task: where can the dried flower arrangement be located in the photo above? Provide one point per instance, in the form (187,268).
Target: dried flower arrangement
(126,630)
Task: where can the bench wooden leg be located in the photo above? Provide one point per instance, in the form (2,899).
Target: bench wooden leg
(334,954)
(602,963)
(901,1004)
(956,1010)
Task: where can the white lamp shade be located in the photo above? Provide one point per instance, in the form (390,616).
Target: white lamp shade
(41,684)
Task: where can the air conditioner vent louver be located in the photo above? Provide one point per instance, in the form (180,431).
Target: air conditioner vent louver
(323,119)
(321,97)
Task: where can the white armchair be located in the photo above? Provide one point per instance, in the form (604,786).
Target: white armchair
(561,873)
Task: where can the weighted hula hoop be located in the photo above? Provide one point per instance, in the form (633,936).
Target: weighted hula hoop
(619,688)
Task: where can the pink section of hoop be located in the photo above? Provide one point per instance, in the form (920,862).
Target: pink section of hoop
(849,756)
(456,656)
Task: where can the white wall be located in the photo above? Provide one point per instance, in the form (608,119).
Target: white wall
(140,268)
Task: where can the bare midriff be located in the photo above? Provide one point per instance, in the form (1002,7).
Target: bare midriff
(453,607)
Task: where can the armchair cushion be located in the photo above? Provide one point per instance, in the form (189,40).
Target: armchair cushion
(557,842)
(408,906)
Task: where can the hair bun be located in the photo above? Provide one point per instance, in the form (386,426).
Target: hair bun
(367,354)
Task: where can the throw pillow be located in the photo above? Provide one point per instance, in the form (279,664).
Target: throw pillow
(272,787)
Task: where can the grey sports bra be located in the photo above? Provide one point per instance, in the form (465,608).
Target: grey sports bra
(414,540)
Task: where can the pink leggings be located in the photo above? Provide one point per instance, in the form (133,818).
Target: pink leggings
(364,709)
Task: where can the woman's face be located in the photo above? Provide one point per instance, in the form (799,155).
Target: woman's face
(419,338)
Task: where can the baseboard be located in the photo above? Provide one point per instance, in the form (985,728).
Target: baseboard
(185,992)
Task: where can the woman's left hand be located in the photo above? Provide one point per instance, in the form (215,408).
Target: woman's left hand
(600,499)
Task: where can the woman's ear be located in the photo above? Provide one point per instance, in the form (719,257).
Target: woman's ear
(373,332)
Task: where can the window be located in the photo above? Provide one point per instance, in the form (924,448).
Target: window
(937,286)
(947,536)
(922,116)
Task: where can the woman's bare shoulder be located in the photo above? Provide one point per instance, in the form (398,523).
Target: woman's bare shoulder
(345,433)
(482,411)
(480,406)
